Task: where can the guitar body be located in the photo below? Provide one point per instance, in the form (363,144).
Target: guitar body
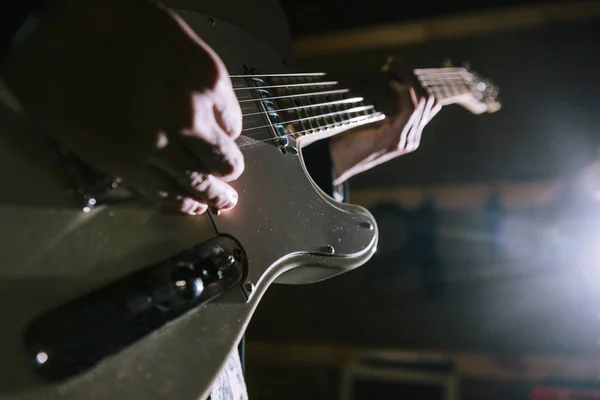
(52,252)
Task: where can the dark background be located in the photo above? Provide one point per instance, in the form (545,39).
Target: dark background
(516,300)
(315,16)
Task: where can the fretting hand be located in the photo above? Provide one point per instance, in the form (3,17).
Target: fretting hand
(129,88)
(412,108)
(409,109)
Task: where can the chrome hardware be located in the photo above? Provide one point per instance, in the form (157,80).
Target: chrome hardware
(248,288)
(329,249)
(367,225)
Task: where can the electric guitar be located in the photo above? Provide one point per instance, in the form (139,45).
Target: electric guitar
(102,299)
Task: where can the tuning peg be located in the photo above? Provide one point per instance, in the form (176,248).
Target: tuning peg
(467,65)
(447,63)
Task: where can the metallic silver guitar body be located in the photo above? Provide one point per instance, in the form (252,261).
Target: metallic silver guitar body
(52,253)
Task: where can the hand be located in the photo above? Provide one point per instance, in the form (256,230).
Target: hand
(408,108)
(129,88)
(412,108)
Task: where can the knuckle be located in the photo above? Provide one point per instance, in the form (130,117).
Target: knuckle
(191,207)
(229,158)
(215,192)
(237,167)
(200,182)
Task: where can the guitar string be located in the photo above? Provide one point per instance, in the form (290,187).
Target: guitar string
(450,77)
(332,103)
(351,110)
(427,82)
(366,108)
(292,85)
(446,82)
(279,75)
(352,121)
(338,91)
(364,119)
(335,124)
(355,109)
(433,75)
(310,74)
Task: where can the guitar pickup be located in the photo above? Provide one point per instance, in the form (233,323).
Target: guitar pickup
(270,108)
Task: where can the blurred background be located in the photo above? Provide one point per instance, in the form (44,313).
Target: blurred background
(485,283)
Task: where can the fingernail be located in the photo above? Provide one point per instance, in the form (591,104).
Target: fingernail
(198,209)
(231,200)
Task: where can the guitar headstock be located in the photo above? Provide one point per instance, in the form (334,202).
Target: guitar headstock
(462,86)
(483,93)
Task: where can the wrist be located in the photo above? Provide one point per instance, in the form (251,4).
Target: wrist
(354,151)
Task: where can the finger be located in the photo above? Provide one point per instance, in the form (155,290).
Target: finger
(217,151)
(210,190)
(426,117)
(436,109)
(180,202)
(400,71)
(198,183)
(162,190)
(414,139)
(227,110)
(420,125)
(174,159)
(417,95)
(410,125)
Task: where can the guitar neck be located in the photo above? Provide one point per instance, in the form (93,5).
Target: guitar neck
(301,104)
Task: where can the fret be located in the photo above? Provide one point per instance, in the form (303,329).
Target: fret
(323,110)
(288,104)
(332,117)
(309,112)
(332,108)
(345,116)
(319,111)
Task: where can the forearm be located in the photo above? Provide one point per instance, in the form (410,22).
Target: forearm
(361,149)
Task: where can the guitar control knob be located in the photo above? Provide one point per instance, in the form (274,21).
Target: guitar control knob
(223,260)
(188,283)
(75,336)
